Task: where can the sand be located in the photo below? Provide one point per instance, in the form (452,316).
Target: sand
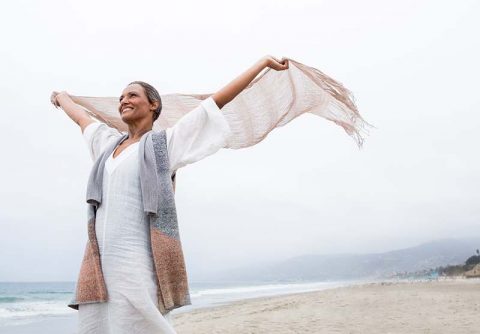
(451,307)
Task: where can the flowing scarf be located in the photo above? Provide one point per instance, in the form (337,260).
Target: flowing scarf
(271,100)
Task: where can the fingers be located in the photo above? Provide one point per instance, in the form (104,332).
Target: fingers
(276,64)
(281,64)
(55,95)
(53,99)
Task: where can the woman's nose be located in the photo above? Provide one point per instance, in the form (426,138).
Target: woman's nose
(124,101)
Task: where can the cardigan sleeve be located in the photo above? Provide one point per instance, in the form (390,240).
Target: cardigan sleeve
(198,134)
(98,136)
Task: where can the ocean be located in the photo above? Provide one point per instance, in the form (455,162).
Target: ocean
(22,303)
(28,302)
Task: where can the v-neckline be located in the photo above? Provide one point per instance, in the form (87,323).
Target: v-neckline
(112,163)
(118,145)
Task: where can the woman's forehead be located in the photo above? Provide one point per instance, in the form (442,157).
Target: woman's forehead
(133,88)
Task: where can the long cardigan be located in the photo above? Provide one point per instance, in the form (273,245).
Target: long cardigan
(159,205)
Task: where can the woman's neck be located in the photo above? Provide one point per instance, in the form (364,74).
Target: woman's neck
(136,131)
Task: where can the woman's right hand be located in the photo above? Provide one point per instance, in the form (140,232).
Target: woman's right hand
(54,97)
(73,110)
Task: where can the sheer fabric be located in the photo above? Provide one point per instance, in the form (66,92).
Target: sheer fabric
(272,100)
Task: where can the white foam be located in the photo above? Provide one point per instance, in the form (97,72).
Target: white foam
(266,288)
(14,312)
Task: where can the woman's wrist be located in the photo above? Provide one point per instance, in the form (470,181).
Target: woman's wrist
(262,64)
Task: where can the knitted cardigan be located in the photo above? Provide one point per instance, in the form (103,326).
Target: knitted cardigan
(159,205)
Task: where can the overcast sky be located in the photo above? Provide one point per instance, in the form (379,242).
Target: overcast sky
(412,66)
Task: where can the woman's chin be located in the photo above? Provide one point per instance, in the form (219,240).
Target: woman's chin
(126,118)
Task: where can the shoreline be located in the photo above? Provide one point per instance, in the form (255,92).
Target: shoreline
(53,325)
(436,306)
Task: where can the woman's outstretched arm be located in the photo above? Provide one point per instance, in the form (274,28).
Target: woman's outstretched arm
(228,93)
(73,110)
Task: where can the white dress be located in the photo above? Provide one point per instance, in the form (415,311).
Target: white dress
(122,228)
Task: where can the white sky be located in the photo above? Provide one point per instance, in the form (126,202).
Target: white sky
(412,66)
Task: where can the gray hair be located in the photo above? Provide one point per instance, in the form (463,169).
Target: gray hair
(152,95)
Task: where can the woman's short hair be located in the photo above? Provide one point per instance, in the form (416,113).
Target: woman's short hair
(152,95)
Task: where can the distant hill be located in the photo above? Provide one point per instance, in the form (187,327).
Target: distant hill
(357,266)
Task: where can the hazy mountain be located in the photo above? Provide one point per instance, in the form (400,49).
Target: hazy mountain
(355,266)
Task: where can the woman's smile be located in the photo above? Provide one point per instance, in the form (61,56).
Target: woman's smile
(125,109)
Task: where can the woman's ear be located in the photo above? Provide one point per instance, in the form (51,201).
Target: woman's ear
(154,105)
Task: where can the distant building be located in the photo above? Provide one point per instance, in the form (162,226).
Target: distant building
(475,272)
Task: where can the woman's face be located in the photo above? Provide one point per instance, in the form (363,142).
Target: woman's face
(134,105)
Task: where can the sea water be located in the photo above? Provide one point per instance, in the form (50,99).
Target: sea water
(27,302)
(22,302)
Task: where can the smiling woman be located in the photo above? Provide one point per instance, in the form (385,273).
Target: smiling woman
(133,272)
(133,91)
(140,105)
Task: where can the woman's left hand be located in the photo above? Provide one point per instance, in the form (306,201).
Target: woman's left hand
(278,65)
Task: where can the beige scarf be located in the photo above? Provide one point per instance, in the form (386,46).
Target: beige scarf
(271,100)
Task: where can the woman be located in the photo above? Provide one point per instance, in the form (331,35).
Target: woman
(130,292)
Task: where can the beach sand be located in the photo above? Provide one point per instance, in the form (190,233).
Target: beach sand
(451,307)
